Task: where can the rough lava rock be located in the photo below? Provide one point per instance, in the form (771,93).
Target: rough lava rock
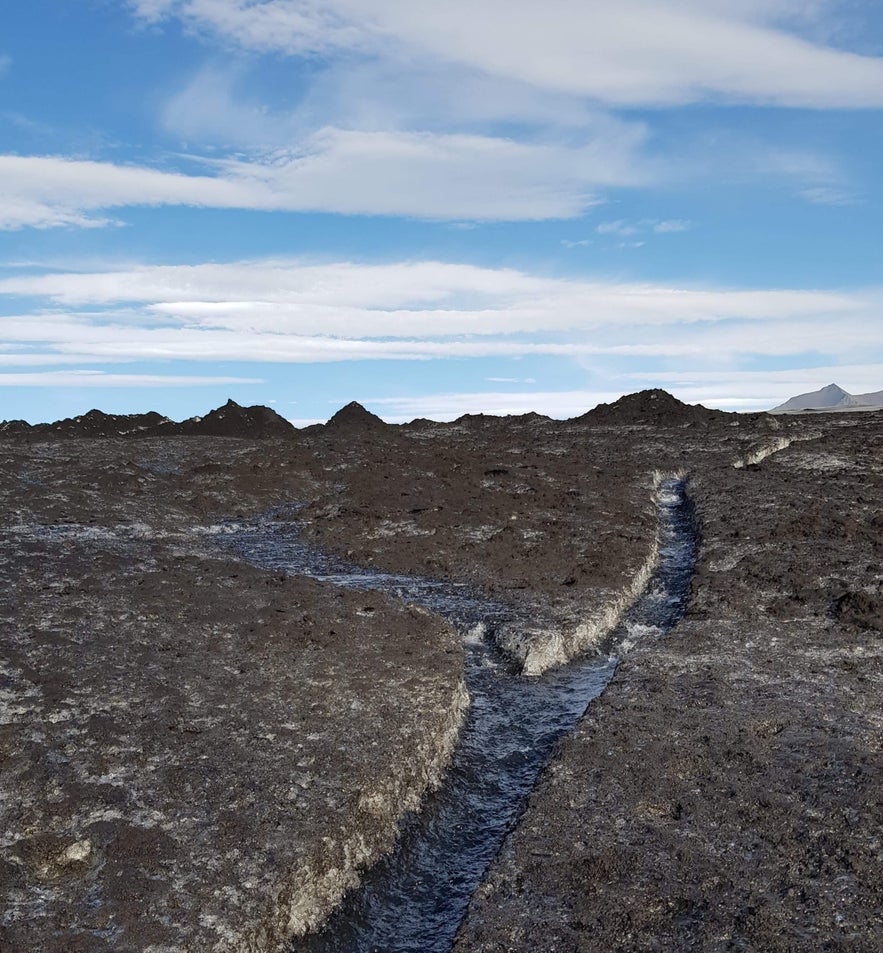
(232,420)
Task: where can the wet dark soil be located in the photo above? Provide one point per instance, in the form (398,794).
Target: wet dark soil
(723,793)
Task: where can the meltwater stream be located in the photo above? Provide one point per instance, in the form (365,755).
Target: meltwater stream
(415,898)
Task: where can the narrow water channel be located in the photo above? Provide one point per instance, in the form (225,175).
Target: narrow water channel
(413,900)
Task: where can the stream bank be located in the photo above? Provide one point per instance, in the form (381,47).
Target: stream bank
(725,794)
(414,898)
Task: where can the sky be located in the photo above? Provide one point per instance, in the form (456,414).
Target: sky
(493,206)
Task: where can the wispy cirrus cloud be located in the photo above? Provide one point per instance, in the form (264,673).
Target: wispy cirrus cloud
(636,52)
(420,175)
(626,229)
(449,406)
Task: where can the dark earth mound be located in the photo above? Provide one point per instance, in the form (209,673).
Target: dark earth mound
(355,419)
(95,423)
(656,407)
(231,420)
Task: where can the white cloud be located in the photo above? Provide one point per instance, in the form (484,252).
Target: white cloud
(207,110)
(672,225)
(295,312)
(411,298)
(511,380)
(828,195)
(619,228)
(47,191)
(101,379)
(422,175)
(626,230)
(634,52)
(5,63)
(216,107)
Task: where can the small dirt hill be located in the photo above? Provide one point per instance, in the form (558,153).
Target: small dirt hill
(656,407)
(495,421)
(233,420)
(355,419)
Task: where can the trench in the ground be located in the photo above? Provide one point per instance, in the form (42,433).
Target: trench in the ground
(415,898)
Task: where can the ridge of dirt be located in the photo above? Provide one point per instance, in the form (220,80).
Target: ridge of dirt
(354,417)
(230,420)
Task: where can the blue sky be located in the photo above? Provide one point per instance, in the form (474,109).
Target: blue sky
(494,206)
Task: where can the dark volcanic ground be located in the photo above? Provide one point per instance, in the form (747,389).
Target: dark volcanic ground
(726,793)
(187,741)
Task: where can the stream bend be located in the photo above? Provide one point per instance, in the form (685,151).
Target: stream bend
(413,900)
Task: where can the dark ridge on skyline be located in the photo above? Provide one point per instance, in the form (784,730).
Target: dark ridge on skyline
(230,420)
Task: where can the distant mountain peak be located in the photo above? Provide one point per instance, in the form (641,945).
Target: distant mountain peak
(834,390)
(830,397)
